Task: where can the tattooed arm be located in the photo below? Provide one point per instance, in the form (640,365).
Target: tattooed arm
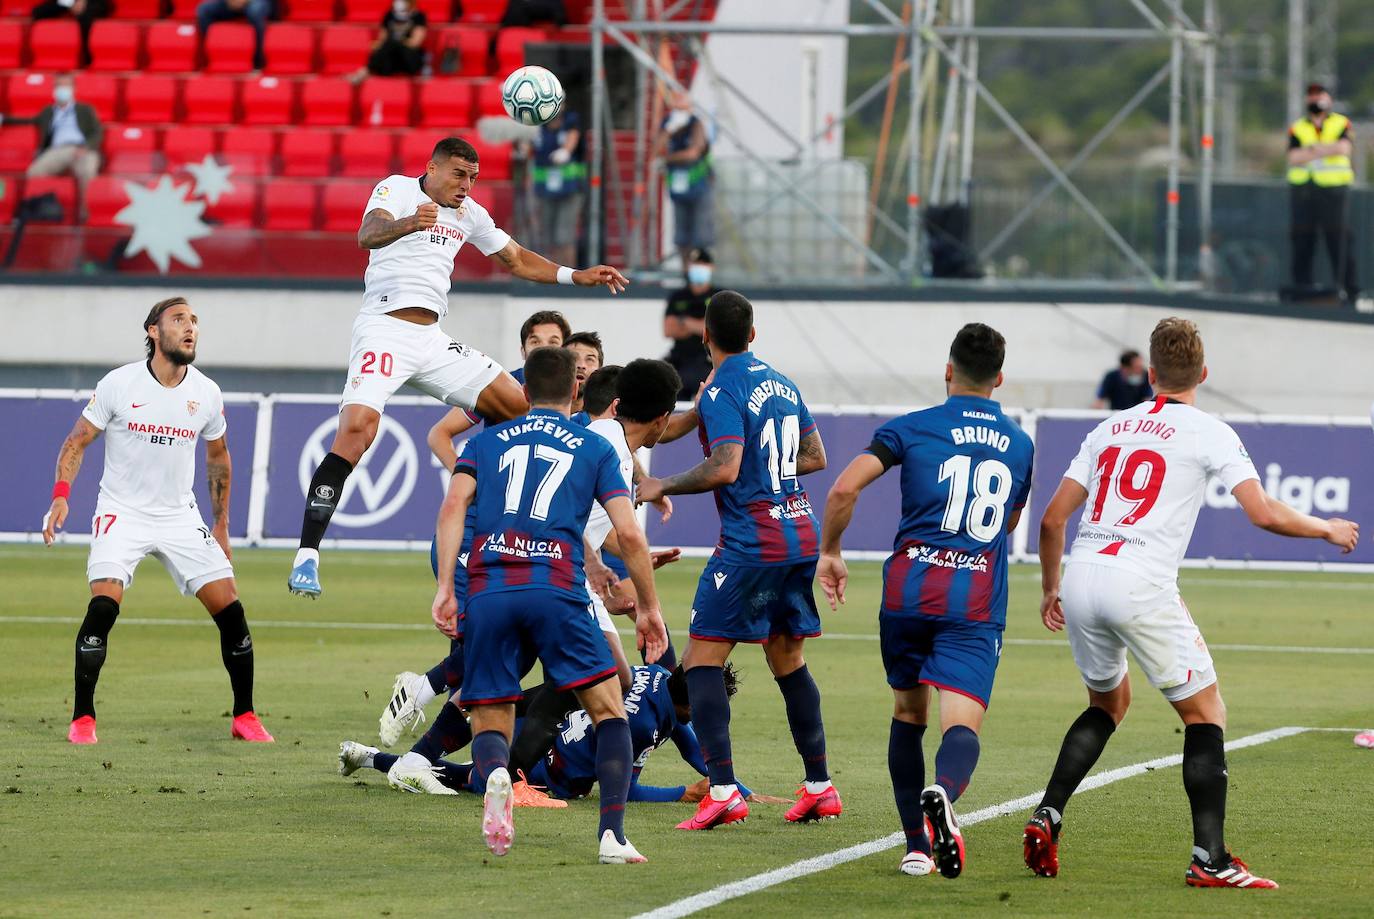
(380,229)
(218,473)
(83,434)
(531,266)
(720,468)
(810,454)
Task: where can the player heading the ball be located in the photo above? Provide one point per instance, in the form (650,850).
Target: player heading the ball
(414,227)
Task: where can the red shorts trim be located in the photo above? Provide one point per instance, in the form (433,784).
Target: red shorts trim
(497,700)
(750,641)
(587,681)
(954,689)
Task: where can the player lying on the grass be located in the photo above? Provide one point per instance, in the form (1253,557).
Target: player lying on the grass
(527,597)
(966,471)
(1146,471)
(152,413)
(414,228)
(759,438)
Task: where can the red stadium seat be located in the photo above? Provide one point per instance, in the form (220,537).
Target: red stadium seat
(289,48)
(385,102)
(11,188)
(484,10)
(209,100)
(137,9)
(366,153)
(172,47)
(100,91)
(185,9)
(311,11)
(368,11)
(487,97)
(54,44)
(307,154)
(290,205)
(344,49)
(237,207)
(229,47)
(474,57)
(131,149)
(327,101)
(62,186)
(416,148)
(437,12)
(446,103)
(18,144)
(269,100)
(28,94)
(510,47)
(249,150)
(187,144)
(150,99)
(115,45)
(343,205)
(105,197)
(11,44)
(493,159)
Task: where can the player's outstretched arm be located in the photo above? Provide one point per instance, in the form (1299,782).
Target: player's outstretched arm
(664,504)
(810,454)
(831,570)
(719,469)
(651,634)
(82,435)
(448,537)
(680,425)
(1068,499)
(531,266)
(219,471)
(1273,515)
(380,229)
(440,437)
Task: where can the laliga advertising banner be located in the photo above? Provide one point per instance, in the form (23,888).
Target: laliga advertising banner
(43,420)
(1317,467)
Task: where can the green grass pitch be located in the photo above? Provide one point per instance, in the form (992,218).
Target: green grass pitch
(167,816)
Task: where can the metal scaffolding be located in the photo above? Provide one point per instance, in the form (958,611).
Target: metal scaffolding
(939,35)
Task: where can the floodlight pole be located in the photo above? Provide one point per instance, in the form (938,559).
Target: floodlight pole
(1206,265)
(598,134)
(1175,126)
(970,101)
(911,264)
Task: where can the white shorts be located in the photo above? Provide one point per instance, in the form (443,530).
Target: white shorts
(122,538)
(1108,611)
(598,608)
(388,352)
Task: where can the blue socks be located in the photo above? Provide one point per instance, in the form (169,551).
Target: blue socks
(614,761)
(711,718)
(447,675)
(449,732)
(955,760)
(906,763)
(803,699)
(490,751)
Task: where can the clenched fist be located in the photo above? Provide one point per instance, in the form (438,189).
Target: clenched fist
(426,216)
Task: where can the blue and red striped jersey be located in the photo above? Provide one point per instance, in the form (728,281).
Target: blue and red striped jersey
(765,516)
(966,467)
(537,477)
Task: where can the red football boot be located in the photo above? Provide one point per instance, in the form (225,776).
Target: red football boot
(1233,874)
(82,730)
(823,806)
(248,727)
(1040,844)
(712,813)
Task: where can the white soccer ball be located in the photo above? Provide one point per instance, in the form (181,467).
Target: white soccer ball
(532,95)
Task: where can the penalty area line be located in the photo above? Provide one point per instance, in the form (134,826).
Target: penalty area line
(735,889)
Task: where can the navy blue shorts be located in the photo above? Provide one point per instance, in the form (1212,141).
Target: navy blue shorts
(735,603)
(506,631)
(614,563)
(949,654)
(460,573)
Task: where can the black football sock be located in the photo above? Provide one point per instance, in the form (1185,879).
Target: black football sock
(614,762)
(547,707)
(803,700)
(447,675)
(323,498)
(956,759)
(236,650)
(711,719)
(1083,744)
(92,640)
(1204,778)
(449,732)
(906,763)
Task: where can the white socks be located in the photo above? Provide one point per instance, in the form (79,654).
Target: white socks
(723,792)
(424,693)
(816,788)
(306,555)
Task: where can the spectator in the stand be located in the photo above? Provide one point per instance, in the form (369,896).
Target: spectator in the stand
(400,46)
(1125,387)
(69,136)
(533,12)
(559,177)
(685,319)
(686,151)
(257,12)
(84,12)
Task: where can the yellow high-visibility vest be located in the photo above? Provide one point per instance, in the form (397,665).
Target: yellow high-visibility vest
(1328,171)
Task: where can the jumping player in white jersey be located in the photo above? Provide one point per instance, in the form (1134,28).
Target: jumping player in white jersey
(414,228)
(152,413)
(1143,473)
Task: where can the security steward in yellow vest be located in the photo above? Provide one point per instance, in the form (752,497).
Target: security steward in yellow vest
(1319,171)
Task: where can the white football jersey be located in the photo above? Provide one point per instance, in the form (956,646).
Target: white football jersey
(599,523)
(1146,472)
(415,269)
(150,435)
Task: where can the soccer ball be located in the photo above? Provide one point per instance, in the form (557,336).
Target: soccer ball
(532,95)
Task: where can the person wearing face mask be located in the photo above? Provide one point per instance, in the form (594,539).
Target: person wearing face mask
(257,12)
(684,320)
(1320,174)
(400,46)
(685,150)
(1125,387)
(69,136)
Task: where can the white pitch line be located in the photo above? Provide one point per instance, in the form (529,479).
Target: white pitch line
(718,895)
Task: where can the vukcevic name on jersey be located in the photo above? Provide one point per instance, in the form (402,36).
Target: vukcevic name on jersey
(765,515)
(537,477)
(965,468)
(1146,472)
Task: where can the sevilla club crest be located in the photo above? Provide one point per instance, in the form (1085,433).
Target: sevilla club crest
(192,407)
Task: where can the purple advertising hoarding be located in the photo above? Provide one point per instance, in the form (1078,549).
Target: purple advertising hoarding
(26,465)
(1320,469)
